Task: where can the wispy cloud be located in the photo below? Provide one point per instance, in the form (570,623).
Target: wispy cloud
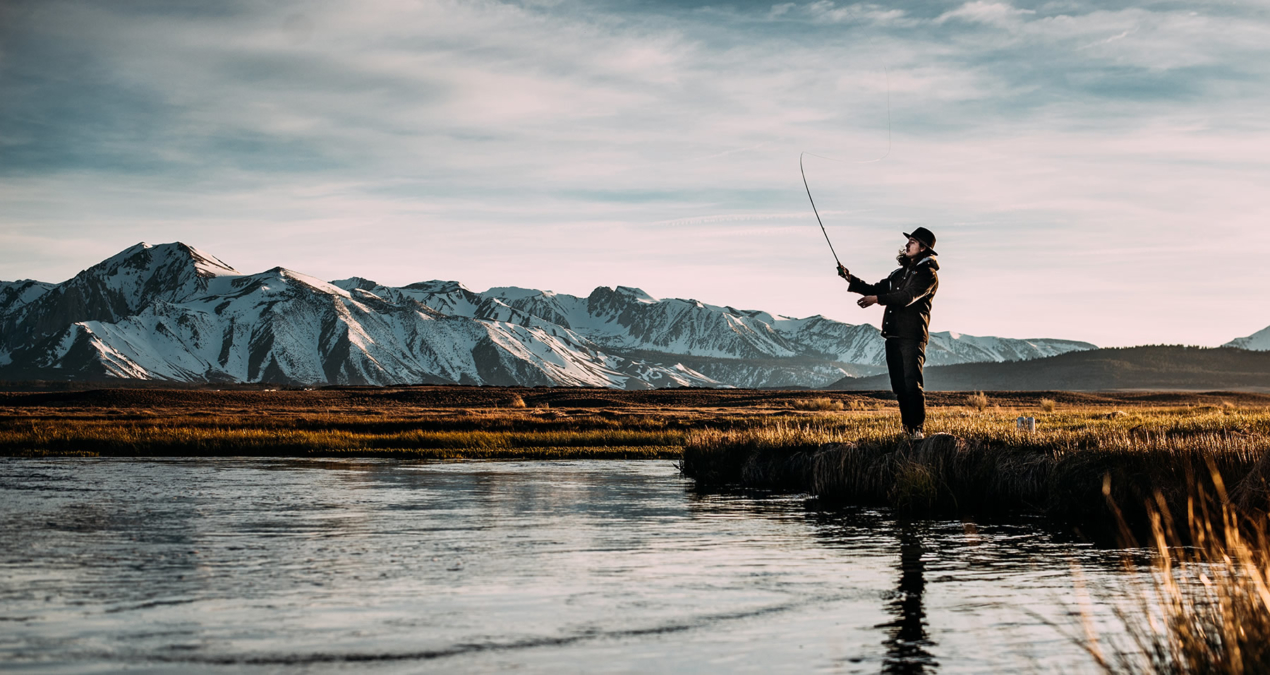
(1000,14)
(572,144)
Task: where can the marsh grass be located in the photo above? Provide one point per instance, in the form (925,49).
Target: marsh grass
(108,439)
(1206,608)
(983,464)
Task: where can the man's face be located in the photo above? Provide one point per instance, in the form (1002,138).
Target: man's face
(913,248)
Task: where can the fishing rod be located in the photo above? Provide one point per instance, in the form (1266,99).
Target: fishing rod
(813,209)
(803,171)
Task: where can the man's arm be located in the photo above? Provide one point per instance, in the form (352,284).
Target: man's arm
(857,285)
(918,285)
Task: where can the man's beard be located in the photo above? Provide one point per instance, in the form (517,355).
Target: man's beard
(903,258)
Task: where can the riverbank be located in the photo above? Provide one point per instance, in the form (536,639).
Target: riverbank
(840,447)
(980,464)
(537,423)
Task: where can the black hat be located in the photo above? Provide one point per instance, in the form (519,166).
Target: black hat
(926,237)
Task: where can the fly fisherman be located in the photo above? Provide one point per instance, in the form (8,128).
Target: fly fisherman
(907,294)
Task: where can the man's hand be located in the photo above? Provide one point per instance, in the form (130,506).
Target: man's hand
(867,301)
(842,272)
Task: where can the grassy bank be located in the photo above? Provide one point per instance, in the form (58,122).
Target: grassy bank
(146,436)
(981,464)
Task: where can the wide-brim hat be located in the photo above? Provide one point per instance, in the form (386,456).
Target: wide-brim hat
(925,236)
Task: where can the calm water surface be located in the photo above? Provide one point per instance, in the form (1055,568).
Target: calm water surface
(227,565)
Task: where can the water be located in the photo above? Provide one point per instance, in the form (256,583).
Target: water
(595,566)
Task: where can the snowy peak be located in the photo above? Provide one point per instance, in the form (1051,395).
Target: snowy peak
(153,260)
(172,312)
(144,273)
(356,283)
(289,278)
(118,287)
(14,295)
(439,287)
(635,294)
(948,348)
(513,293)
(1258,341)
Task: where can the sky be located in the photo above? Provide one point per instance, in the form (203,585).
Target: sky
(1093,170)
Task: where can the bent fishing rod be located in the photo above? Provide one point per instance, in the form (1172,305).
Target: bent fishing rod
(813,209)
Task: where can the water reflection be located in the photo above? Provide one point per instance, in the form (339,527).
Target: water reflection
(907,641)
(213,565)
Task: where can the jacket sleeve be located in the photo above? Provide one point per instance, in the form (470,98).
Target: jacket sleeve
(857,285)
(918,285)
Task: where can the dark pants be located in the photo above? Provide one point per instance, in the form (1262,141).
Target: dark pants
(904,360)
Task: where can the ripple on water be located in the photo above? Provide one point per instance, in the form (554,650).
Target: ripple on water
(601,566)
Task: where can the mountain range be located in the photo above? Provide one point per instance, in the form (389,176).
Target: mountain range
(172,312)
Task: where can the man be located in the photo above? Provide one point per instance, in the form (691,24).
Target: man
(907,294)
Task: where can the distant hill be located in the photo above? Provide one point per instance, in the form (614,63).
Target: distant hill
(1151,367)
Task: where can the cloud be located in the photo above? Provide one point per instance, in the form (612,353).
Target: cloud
(826,11)
(570,144)
(990,13)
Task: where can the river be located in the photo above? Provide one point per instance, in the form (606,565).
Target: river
(291,565)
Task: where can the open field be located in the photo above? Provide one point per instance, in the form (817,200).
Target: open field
(489,422)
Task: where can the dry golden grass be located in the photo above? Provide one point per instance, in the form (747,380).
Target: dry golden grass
(978,401)
(982,463)
(144,439)
(1207,606)
(821,404)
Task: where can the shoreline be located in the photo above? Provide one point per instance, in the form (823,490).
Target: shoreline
(842,447)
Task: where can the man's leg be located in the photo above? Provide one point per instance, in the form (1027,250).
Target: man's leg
(914,358)
(895,367)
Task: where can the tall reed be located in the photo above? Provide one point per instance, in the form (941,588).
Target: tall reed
(1207,609)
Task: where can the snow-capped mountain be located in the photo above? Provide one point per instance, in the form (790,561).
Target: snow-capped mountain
(15,295)
(1257,342)
(947,348)
(171,312)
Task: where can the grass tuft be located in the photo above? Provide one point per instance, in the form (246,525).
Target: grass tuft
(822,404)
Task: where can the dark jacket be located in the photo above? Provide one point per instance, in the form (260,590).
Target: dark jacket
(907,295)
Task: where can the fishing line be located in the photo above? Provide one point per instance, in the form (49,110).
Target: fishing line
(871,161)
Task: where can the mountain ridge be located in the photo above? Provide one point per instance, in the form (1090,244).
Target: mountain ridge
(173,312)
(1150,367)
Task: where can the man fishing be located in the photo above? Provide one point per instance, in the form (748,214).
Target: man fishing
(907,294)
